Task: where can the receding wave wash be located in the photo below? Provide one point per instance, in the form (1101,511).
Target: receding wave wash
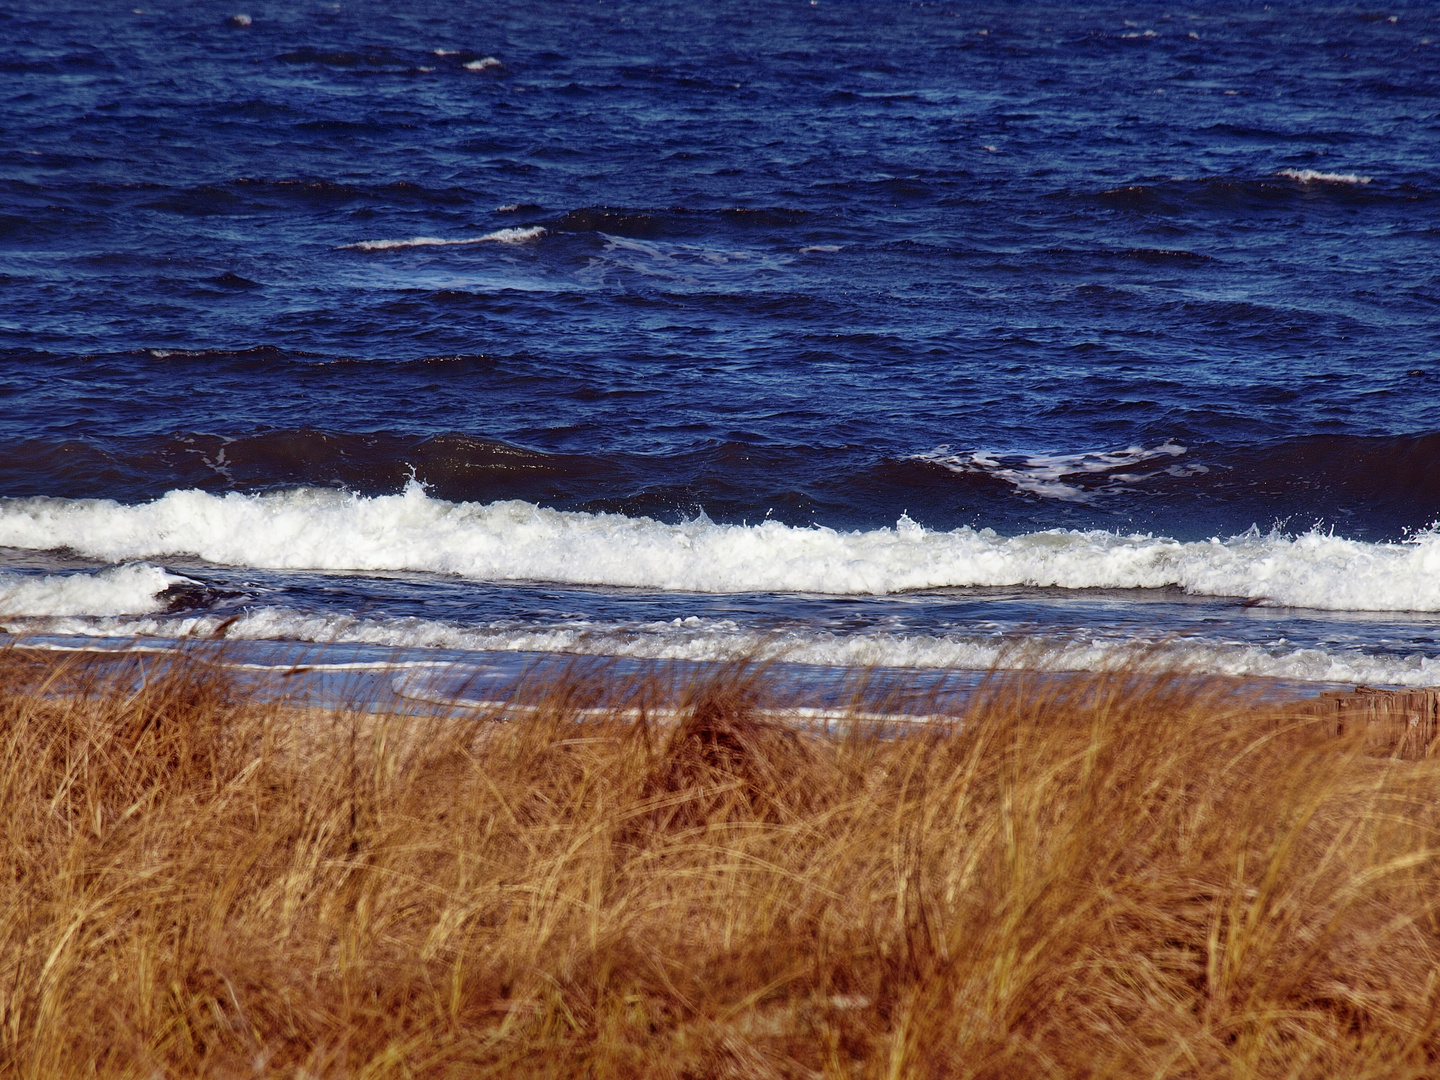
(1108,876)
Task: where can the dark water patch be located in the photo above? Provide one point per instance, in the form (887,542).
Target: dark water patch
(230,280)
(256,109)
(343,58)
(1068,257)
(457,467)
(1349,482)
(203,200)
(1266,136)
(45,159)
(1338,189)
(346,127)
(1372,488)
(606,219)
(89,60)
(673,221)
(256,358)
(13,226)
(1368,488)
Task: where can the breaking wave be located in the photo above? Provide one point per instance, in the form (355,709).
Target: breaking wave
(1311,176)
(328,529)
(119,590)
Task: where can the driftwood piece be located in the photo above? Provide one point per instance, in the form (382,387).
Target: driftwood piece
(1405,723)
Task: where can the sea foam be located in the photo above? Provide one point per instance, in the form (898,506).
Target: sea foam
(328,529)
(499,236)
(119,590)
(1046,474)
(718,640)
(1309,176)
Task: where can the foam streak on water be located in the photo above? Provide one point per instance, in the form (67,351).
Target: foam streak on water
(499,236)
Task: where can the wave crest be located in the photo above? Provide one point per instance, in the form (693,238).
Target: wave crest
(499,236)
(326,529)
(1310,176)
(119,590)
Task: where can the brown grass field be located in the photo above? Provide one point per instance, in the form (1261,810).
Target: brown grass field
(1106,876)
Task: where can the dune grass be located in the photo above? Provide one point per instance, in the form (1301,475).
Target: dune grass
(1110,876)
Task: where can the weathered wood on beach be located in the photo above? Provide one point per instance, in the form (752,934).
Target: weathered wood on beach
(1405,723)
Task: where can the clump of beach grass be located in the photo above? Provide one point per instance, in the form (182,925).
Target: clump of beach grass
(1103,876)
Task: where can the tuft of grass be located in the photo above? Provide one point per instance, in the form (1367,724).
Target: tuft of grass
(1114,875)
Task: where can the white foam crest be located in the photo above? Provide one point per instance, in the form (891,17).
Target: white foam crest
(1045,474)
(483,63)
(516,235)
(713,640)
(327,529)
(119,590)
(1309,176)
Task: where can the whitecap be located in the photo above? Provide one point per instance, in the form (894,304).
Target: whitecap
(120,590)
(499,236)
(1046,474)
(1313,176)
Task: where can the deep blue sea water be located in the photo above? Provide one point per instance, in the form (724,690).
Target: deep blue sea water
(878,333)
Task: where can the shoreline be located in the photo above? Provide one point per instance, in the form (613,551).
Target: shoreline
(1405,719)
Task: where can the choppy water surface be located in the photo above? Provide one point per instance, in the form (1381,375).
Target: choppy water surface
(861,333)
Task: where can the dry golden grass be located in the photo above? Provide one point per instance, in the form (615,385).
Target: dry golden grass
(1113,876)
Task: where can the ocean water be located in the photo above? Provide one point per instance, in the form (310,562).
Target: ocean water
(913,335)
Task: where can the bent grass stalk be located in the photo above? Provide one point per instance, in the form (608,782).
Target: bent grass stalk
(1111,875)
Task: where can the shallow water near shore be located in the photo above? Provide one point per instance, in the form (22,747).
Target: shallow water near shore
(840,335)
(470,683)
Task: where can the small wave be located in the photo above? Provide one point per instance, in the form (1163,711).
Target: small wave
(483,63)
(1046,475)
(683,265)
(1232,194)
(499,236)
(1312,176)
(119,590)
(326,529)
(721,640)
